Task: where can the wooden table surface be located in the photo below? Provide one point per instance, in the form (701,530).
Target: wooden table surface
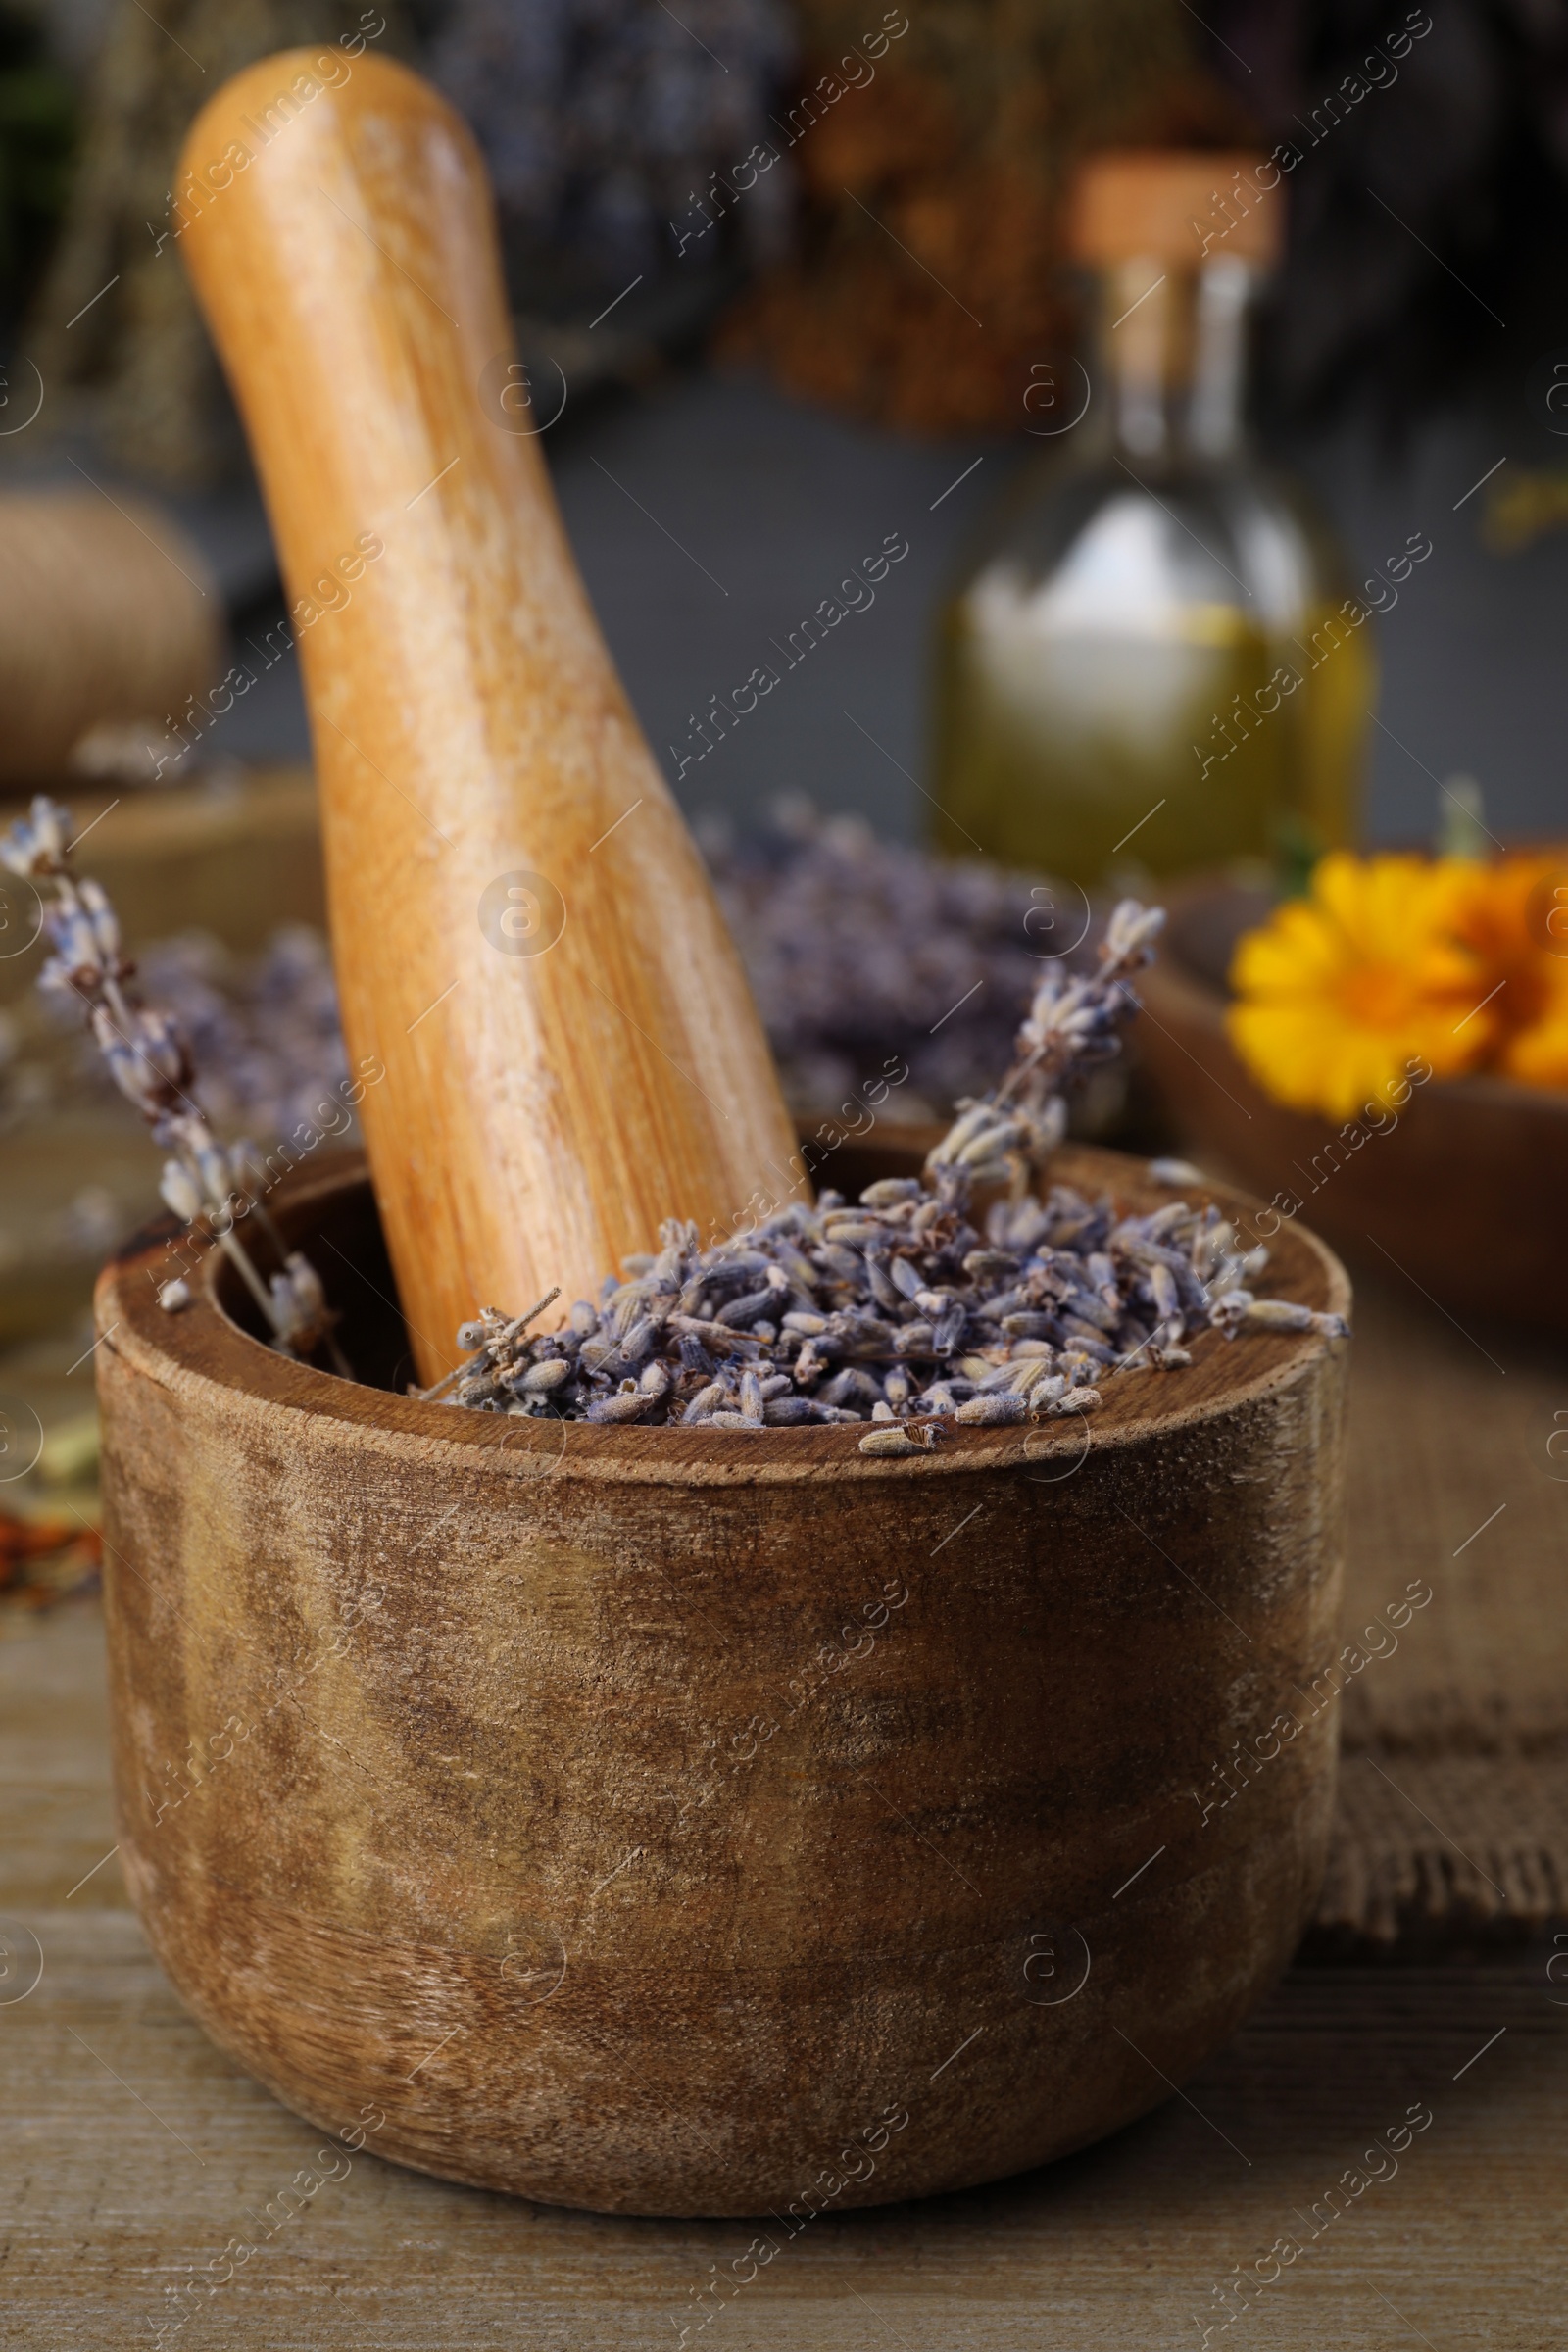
(131,2153)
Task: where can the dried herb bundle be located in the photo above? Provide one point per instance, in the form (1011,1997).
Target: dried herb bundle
(929,269)
(857,947)
(897,1309)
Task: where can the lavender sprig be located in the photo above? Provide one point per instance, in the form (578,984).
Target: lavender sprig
(1073,1023)
(897,1310)
(148,1059)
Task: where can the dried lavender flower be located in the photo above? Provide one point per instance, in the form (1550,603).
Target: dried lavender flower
(149,1062)
(859,947)
(911,1437)
(896,1309)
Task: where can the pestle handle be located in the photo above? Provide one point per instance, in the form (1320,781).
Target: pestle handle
(525,936)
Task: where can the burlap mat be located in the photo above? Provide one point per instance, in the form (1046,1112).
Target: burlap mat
(1452,1820)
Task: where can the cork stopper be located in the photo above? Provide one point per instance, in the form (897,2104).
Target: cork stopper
(1175,208)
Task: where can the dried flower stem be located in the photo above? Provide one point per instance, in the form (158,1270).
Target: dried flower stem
(494,1336)
(1073,1023)
(150,1063)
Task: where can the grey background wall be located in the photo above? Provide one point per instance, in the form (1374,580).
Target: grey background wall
(710,515)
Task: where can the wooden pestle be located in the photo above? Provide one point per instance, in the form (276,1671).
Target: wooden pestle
(524,934)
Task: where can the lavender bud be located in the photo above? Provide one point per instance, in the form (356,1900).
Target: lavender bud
(991,1410)
(622,1406)
(181,1190)
(785,1412)
(101,920)
(1075,1400)
(1174,1171)
(889,1190)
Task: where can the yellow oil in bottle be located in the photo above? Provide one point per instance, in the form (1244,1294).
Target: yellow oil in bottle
(1087,753)
(1151,664)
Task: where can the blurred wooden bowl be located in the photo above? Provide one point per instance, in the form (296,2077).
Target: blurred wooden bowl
(237,859)
(1464,1196)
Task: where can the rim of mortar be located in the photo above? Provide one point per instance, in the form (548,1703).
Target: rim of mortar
(203,1351)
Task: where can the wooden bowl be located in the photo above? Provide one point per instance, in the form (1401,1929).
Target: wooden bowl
(699,1824)
(248,855)
(1464,1195)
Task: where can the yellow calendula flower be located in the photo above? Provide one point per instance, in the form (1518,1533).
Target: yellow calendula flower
(1539,1055)
(1341,993)
(1514,914)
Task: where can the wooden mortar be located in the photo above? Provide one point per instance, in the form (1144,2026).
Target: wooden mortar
(700,1823)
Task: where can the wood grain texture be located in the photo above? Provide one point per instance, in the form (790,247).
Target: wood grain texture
(567,1066)
(148,2181)
(701,1798)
